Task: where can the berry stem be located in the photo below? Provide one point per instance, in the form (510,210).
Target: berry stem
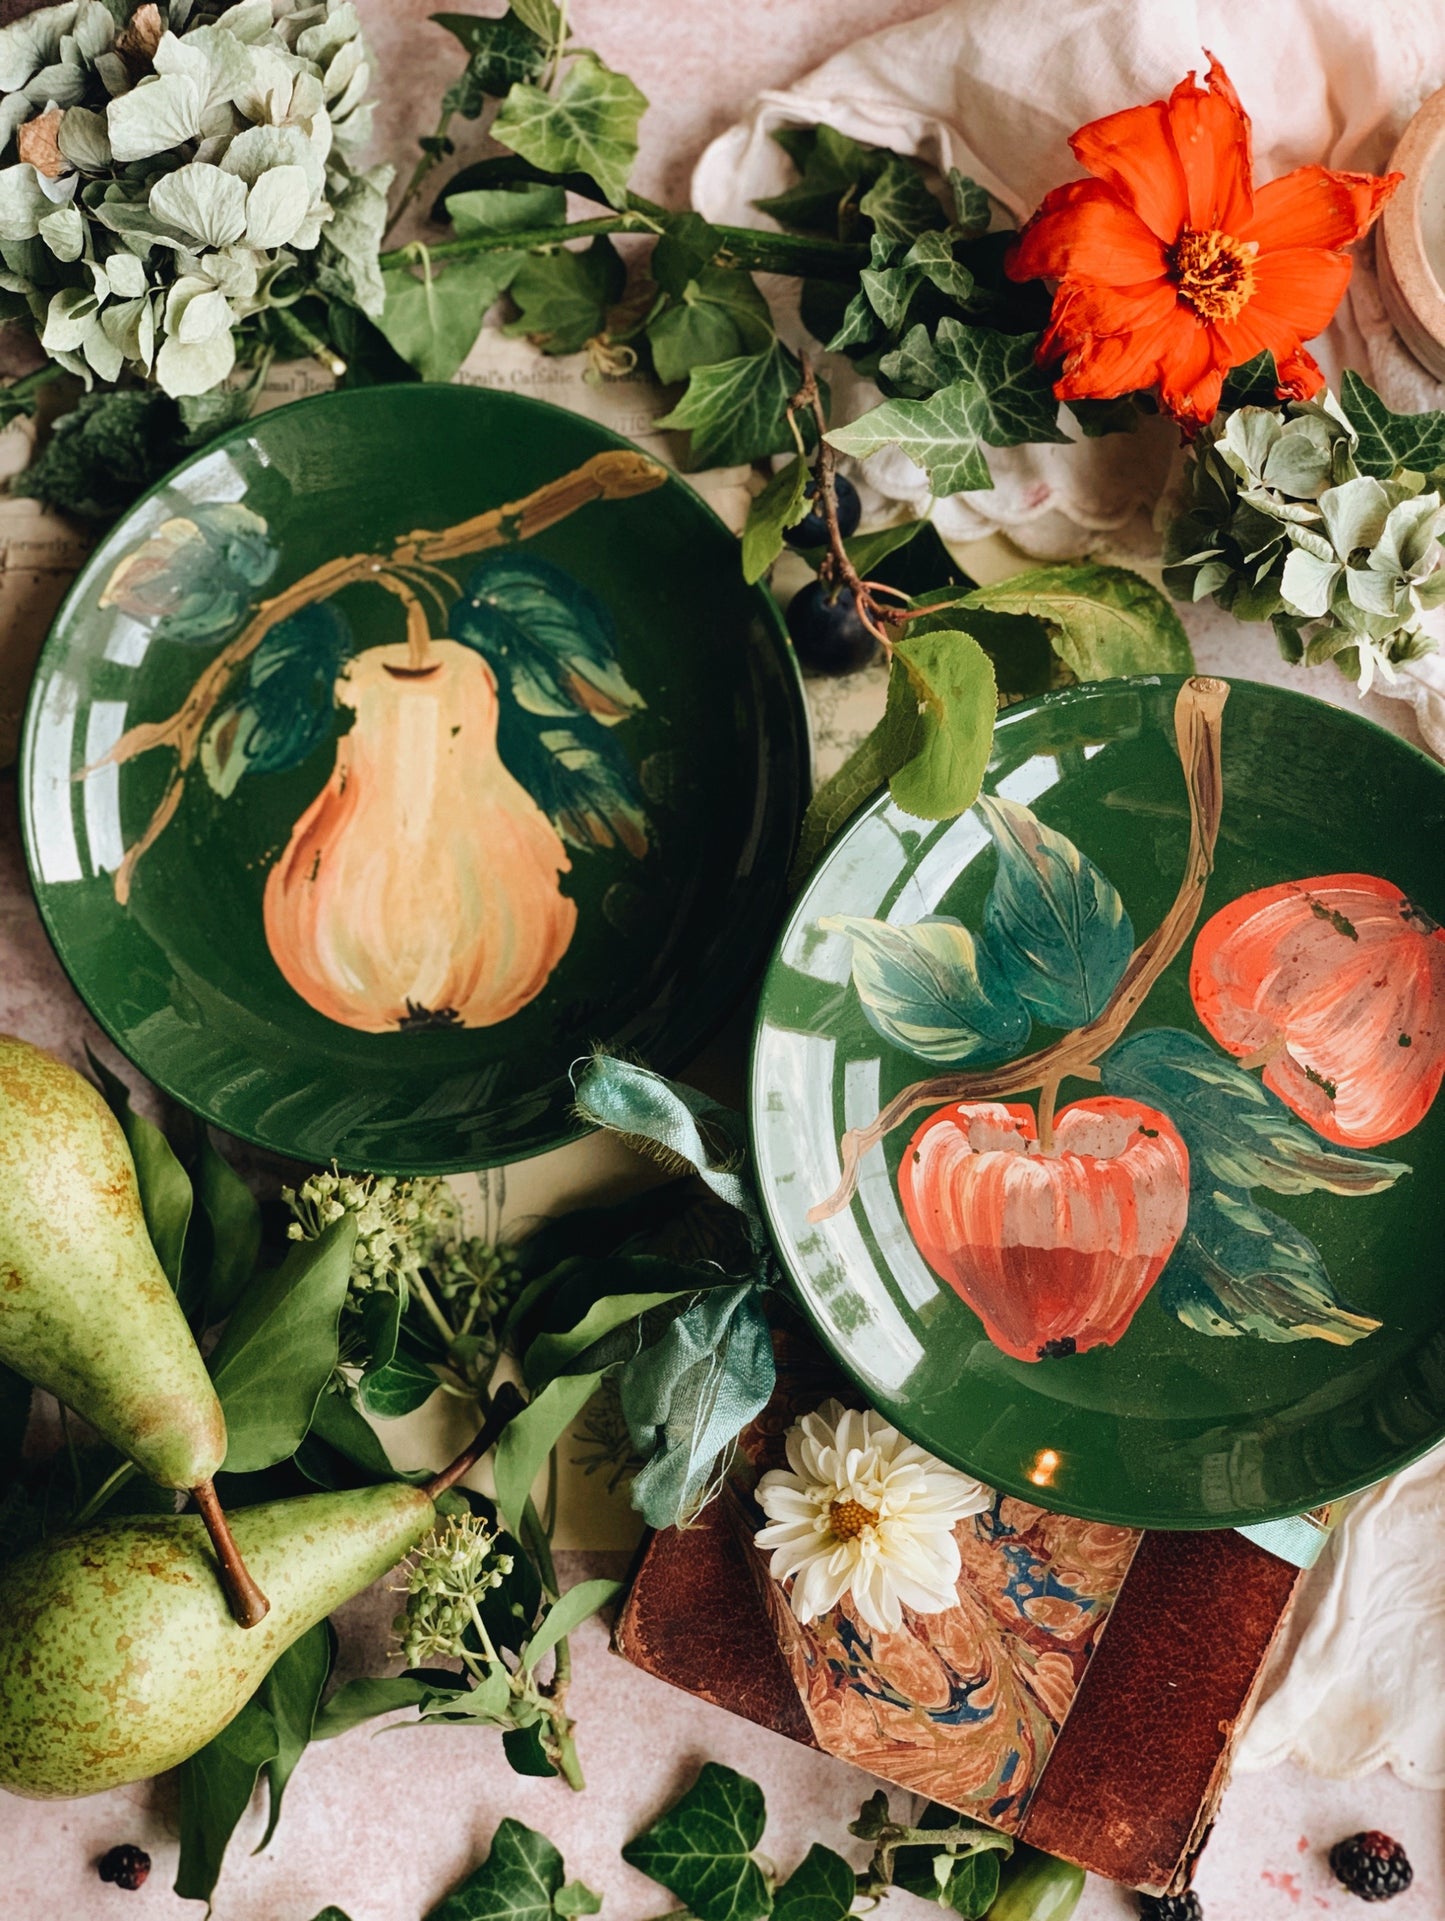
(837,566)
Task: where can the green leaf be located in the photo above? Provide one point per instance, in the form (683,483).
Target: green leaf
(521,208)
(688,1396)
(563,297)
(942,434)
(972,208)
(331,1914)
(943,683)
(1389,441)
(337,1423)
(571,1351)
(279,1350)
(529,1437)
(165,1187)
(1096,418)
(216,1786)
(930,989)
(1102,620)
(291,1694)
(835,172)
(932,255)
(234,1215)
(736,411)
(876,759)
(781,504)
(540,17)
(899,203)
(1018,398)
(687,244)
(1055,924)
(576,1898)
(526,1755)
(588,125)
(720,315)
(821,1888)
(701,1850)
(520,1880)
(566,1615)
(365,1699)
(432,318)
(1234,1127)
(1253,384)
(501,53)
(1037,1887)
(401,1387)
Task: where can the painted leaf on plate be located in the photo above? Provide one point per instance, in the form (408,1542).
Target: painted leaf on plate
(287,704)
(194,578)
(1240,1269)
(933,990)
(553,648)
(1054,923)
(1232,1125)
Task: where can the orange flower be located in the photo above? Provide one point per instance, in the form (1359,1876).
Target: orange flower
(1172,268)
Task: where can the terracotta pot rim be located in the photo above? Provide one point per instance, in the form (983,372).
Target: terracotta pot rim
(1409,285)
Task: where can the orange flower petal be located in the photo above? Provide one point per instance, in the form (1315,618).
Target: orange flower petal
(1300,376)
(1103,366)
(1082,231)
(1313,207)
(1210,131)
(1133,154)
(1191,376)
(1301,287)
(1083,311)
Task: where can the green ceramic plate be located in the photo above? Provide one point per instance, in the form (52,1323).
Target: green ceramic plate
(401,745)
(1206,1291)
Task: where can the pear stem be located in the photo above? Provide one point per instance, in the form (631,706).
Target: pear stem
(507,1403)
(247,1603)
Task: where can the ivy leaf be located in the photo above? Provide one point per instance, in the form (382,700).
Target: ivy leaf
(563,297)
(1020,402)
(286,705)
(1102,620)
(1239,1269)
(1233,1126)
(835,172)
(541,17)
(687,244)
(943,434)
(432,318)
(701,1850)
(1389,441)
(1254,384)
(781,504)
(500,54)
(216,1787)
(942,688)
(588,125)
(932,990)
(972,208)
(519,208)
(400,1387)
(932,255)
(721,315)
(899,203)
(520,1880)
(736,411)
(165,1187)
(821,1888)
(279,1350)
(1055,924)
(575,1898)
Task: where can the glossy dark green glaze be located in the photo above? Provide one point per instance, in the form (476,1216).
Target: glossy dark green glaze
(182,978)
(1170,1427)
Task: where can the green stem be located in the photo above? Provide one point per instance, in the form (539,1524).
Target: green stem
(433,1313)
(112,1483)
(747,247)
(28,385)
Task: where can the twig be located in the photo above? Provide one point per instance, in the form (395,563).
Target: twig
(506,1404)
(837,566)
(1198,715)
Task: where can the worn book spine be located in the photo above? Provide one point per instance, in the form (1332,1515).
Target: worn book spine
(1130,1788)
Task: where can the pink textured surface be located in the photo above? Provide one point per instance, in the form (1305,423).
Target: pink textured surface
(381,1826)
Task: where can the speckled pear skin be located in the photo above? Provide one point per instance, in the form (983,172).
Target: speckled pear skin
(118,1655)
(85,1309)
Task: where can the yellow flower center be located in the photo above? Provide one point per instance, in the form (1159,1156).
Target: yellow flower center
(848,1519)
(1214,272)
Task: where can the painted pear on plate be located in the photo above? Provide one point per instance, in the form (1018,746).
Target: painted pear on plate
(85,1308)
(118,1658)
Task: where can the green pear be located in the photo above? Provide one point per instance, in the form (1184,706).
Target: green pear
(118,1657)
(85,1309)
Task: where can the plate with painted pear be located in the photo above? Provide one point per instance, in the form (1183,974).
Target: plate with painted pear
(397,748)
(1099,1128)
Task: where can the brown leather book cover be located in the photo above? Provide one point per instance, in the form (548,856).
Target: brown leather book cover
(1139,1710)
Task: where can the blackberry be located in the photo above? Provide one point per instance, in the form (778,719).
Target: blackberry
(127,1867)
(1372,1866)
(1170,1907)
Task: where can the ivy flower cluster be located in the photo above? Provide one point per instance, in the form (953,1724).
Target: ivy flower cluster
(174,171)
(450,1575)
(1282,525)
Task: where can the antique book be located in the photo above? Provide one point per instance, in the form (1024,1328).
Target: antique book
(1085,1693)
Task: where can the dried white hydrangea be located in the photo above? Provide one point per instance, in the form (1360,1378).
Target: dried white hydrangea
(168,170)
